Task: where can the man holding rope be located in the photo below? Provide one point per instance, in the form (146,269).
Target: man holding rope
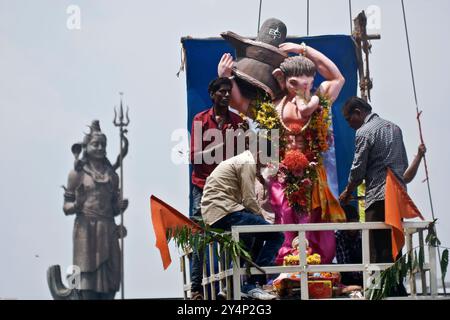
(379,146)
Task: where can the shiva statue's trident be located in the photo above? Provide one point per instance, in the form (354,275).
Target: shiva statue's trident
(122,122)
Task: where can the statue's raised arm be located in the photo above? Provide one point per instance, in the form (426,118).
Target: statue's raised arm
(334,80)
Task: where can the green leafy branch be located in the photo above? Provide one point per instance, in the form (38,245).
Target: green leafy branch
(187,239)
(409,262)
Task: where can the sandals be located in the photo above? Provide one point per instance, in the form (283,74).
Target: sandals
(196,295)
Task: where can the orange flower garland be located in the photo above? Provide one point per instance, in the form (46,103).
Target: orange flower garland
(298,169)
(294,160)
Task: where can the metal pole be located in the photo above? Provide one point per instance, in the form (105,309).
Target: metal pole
(259,15)
(350,14)
(121,122)
(121,217)
(307,17)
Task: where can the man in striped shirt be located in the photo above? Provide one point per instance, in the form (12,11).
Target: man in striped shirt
(378,146)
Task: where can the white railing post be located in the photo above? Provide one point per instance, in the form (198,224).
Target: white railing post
(423,276)
(365,259)
(433,273)
(205,275)
(412,276)
(367,267)
(220,267)
(303,265)
(227,278)
(183,270)
(212,283)
(236,269)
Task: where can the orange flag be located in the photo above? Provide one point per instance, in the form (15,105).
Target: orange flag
(165,217)
(398,205)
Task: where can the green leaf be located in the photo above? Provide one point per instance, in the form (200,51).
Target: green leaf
(403,266)
(409,263)
(387,283)
(438,242)
(185,238)
(421,258)
(432,238)
(397,272)
(444,263)
(427,238)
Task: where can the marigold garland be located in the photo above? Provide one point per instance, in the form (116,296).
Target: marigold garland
(297,169)
(295,160)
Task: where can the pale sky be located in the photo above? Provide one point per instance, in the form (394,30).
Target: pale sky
(55,81)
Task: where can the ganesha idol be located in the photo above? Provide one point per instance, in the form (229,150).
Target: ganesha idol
(275,90)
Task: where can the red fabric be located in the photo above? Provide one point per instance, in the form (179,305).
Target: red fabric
(207,118)
(398,205)
(165,217)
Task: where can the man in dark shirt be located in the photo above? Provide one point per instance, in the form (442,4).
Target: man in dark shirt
(205,155)
(378,146)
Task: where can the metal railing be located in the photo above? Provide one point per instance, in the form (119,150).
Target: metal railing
(226,275)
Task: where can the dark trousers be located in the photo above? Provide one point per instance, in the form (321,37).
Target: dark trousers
(380,240)
(381,243)
(267,244)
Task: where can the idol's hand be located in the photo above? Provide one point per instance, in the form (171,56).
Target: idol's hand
(290,47)
(225,65)
(123,205)
(121,232)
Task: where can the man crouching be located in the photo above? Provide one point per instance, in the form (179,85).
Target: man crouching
(229,199)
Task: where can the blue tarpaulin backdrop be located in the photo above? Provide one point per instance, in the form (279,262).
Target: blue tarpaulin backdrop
(203,55)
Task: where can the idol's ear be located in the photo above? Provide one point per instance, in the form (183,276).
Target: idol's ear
(281,79)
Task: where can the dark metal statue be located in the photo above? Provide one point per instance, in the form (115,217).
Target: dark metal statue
(93,195)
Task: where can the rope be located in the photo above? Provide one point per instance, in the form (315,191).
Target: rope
(307,17)
(183,61)
(417,104)
(410,59)
(259,16)
(419,113)
(350,15)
